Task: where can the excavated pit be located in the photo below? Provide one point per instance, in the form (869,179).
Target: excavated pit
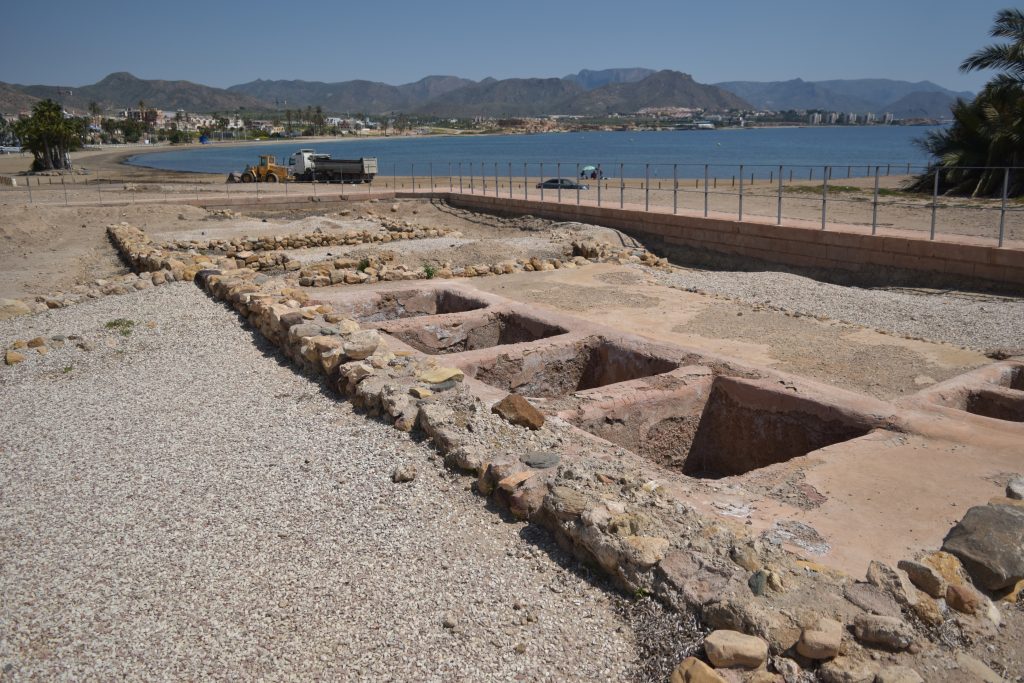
(474,332)
(560,371)
(1016,379)
(399,305)
(722,426)
(999,404)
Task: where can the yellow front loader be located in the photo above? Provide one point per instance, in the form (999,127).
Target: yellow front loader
(267,171)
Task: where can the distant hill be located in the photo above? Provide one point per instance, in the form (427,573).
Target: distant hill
(660,89)
(13,100)
(794,94)
(859,95)
(351,96)
(590,80)
(508,97)
(922,105)
(539,96)
(120,90)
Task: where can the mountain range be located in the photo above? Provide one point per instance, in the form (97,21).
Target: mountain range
(587,92)
(904,99)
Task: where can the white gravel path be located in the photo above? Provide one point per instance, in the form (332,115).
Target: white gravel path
(977,321)
(180,504)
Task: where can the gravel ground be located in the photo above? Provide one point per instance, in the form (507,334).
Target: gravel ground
(177,503)
(977,321)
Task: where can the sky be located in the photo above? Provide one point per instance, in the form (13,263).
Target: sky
(74,43)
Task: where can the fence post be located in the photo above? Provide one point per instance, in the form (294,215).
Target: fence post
(496,181)
(460,177)
(1002,209)
(451,181)
(28,185)
(675,189)
(526,190)
(935,201)
(778,210)
(577,180)
(705,190)
(741,195)
(647,187)
(558,174)
(510,180)
(622,185)
(541,181)
(599,179)
(412,174)
(430,170)
(824,195)
(874,206)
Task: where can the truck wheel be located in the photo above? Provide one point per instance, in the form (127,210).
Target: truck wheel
(272,178)
(248,177)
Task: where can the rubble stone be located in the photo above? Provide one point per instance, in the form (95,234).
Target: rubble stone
(518,411)
(821,642)
(734,649)
(889,632)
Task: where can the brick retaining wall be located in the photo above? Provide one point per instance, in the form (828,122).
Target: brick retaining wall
(800,247)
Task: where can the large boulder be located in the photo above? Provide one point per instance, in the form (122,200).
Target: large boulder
(989,540)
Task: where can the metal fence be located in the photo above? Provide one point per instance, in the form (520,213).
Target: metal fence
(864,197)
(868,197)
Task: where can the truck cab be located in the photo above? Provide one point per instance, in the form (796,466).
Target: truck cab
(300,163)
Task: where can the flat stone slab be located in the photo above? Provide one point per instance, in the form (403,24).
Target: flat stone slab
(542,459)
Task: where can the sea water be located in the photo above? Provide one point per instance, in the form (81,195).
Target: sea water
(803,151)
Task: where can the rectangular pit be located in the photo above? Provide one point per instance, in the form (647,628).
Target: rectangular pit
(561,371)
(472,333)
(403,304)
(723,426)
(999,404)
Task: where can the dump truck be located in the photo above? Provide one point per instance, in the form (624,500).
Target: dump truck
(266,171)
(307,165)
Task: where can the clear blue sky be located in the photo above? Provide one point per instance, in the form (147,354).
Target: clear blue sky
(224,43)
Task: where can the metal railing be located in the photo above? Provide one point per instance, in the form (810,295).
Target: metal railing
(861,198)
(864,197)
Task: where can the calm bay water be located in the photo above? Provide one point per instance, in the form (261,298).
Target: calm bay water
(760,150)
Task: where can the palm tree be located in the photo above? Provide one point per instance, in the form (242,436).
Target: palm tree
(987,134)
(50,136)
(1006,57)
